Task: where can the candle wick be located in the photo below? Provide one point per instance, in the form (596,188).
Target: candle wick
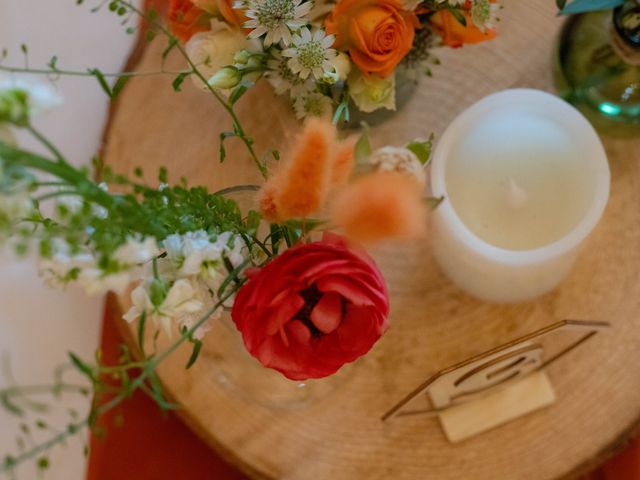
(517,198)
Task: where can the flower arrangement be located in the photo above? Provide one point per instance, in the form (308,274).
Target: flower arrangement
(325,56)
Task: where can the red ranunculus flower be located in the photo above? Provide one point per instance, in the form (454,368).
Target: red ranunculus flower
(312,309)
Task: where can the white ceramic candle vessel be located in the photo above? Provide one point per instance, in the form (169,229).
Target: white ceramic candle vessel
(525,180)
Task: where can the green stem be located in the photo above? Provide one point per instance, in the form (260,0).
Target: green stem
(194,69)
(41,389)
(73,73)
(45,141)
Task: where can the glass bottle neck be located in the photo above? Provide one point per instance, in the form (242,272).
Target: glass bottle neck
(625,37)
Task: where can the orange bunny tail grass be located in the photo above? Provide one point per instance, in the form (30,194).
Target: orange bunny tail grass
(381,206)
(304,180)
(343,161)
(267,203)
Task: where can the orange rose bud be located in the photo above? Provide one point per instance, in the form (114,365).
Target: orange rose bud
(378,34)
(454,34)
(381,206)
(185,19)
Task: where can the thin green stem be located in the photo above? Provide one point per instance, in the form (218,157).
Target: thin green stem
(42,389)
(45,141)
(147,371)
(75,73)
(194,70)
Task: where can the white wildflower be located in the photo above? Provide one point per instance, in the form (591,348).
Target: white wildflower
(484,14)
(180,300)
(279,75)
(135,251)
(275,19)
(313,104)
(370,93)
(401,160)
(311,54)
(20,99)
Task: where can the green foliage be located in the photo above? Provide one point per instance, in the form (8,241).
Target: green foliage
(422,149)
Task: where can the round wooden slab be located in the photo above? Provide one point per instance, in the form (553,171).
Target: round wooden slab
(434,324)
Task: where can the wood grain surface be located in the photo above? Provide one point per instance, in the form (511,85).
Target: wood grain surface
(433,323)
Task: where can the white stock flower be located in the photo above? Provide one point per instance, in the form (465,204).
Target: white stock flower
(484,14)
(195,254)
(96,282)
(135,252)
(311,54)
(275,19)
(190,319)
(15,206)
(63,266)
(401,160)
(373,92)
(211,51)
(181,299)
(312,104)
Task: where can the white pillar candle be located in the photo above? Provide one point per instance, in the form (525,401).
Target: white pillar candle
(525,179)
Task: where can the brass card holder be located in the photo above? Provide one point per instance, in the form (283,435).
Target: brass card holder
(497,386)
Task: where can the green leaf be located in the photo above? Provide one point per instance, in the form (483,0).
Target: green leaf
(582,6)
(197,346)
(239,91)
(363,148)
(433,202)
(102,81)
(141,327)
(9,406)
(177,82)
(173,43)
(118,86)
(43,463)
(223,137)
(459,16)
(82,367)
(421,149)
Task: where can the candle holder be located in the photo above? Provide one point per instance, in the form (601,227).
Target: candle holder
(525,179)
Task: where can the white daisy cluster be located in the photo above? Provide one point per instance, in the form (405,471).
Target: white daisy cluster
(283,42)
(484,14)
(185,282)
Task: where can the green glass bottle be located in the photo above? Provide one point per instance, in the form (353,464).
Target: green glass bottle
(597,67)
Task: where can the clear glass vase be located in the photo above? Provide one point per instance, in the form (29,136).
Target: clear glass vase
(597,67)
(243,377)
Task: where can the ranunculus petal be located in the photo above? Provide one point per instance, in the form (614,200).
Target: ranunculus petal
(327,314)
(284,313)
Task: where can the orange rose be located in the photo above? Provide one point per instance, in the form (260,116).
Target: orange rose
(454,34)
(185,19)
(231,15)
(378,34)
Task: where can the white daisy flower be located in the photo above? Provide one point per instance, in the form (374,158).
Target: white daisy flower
(275,19)
(311,54)
(181,299)
(279,75)
(314,104)
(484,14)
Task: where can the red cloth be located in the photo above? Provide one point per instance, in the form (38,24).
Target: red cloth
(143,442)
(150,444)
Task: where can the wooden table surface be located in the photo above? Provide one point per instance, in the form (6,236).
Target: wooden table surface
(433,323)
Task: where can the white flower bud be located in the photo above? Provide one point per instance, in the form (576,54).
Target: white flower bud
(401,160)
(226,78)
